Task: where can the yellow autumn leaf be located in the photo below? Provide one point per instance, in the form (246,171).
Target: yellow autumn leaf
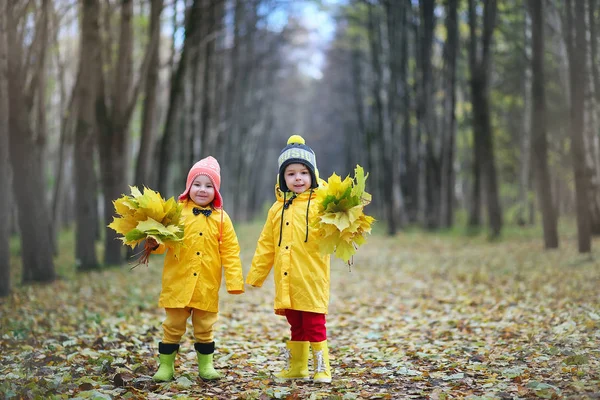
(151,203)
(122,225)
(339,219)
(344,251)
(327,244)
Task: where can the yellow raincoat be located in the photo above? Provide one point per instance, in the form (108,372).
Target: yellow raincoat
(301,272)
(193,280)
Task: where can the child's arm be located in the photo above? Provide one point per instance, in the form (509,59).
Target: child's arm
(264,255)
(230,258)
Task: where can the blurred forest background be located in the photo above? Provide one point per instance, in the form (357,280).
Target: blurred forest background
(470,113)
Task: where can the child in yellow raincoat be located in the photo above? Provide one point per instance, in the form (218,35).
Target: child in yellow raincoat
(191,282)
(289,243)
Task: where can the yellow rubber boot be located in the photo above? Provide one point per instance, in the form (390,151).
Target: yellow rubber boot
(296,355)
(321,362)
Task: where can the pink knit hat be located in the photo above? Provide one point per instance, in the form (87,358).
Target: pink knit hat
(210,167)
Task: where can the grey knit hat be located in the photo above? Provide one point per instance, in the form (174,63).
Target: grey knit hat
(297,151)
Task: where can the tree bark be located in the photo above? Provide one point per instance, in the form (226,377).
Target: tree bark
(475,211)
(86,210)
(525,161)
(149,112)
(449,131)
(383,140)
(483,135)
(577,68)
(538,126)
(168,141)
(25,154)
(5,208)
(113,118)
(396,35)
(427,116)
(68,108)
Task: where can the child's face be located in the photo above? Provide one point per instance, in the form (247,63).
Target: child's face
(202,191)
(297,178)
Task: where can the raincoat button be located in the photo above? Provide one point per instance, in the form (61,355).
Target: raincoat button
(197,253)
(285,273)
(195,274)
(200,233)
(286,247)
(287,223)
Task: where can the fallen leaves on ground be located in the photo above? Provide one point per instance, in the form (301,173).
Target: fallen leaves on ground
(419,316)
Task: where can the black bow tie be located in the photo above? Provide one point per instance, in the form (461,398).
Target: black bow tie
(198,211)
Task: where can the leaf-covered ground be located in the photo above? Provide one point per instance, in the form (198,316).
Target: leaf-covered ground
(418,316)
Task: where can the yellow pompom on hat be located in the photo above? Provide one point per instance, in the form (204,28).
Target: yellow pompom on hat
(296,151)
(296,139)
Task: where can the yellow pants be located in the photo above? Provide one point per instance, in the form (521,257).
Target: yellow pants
(174,325)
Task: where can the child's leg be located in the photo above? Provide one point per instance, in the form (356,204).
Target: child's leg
(297,349)
(173,330)
(313,325)
(294,318)
(174,325)
(203,322)
(316,333)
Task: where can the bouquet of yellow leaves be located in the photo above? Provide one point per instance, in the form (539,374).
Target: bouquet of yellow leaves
(341,224)
(148,215)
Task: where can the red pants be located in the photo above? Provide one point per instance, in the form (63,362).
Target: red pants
(306,326)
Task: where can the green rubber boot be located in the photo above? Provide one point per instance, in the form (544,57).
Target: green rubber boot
(204,352)
(166,356)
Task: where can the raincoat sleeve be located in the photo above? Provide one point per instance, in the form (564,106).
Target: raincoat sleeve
(264,256)
(230,258)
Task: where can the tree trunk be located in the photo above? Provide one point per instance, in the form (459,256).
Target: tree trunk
(207,111)
(149,112)
(408,177)
(25,154)
(480,75)
(449,131)
(396,36)
(113,118)
(86,209)
(382,119)
(475,211)
(538,126)
(168,141)
(525,160)
(4,160)
(427,115)
(68,108)
(577,63)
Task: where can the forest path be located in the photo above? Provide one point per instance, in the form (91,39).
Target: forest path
(418,316)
